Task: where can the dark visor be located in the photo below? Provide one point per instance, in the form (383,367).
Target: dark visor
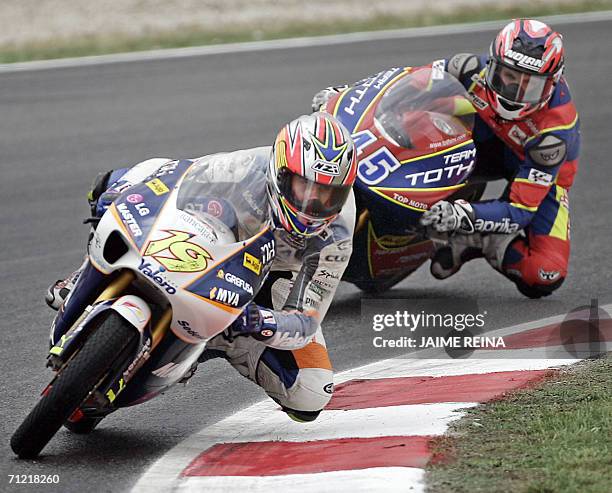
(515,85)
(316,200)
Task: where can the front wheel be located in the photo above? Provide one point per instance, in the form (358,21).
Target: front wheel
(110,343)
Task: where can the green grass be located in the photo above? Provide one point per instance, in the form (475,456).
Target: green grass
(195,36)
(553,438)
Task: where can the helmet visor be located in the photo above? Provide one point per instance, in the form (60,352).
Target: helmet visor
(517,86)
(315,200)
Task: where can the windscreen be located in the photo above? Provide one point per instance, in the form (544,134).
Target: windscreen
(426,103)
(235,196)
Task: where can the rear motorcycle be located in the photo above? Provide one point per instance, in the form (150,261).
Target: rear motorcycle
(413,133)
(163,276)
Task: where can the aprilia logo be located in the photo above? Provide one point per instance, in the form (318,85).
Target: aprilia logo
(524,60)
(503,226)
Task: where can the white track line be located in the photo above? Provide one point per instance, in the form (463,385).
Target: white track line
(387,479)
(291,43)
(263,422)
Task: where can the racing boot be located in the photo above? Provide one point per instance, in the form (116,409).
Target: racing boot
(462,248)
(60,289)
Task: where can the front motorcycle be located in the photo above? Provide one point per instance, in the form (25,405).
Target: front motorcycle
(413,133)
(172,263)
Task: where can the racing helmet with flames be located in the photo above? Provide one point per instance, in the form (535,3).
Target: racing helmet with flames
(525,63)
(312,169)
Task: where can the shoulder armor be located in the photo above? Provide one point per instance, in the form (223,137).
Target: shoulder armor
(463,65)
(550,151)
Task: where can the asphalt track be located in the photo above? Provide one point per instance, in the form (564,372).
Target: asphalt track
(59,127)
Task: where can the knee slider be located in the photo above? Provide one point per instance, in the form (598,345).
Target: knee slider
(301,416)
(312,390)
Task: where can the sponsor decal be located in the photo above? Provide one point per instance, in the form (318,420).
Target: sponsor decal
(323,284)
(157,186)
(551,156)
(312,303)
(187,328)
(532,126)
(390,261)
(266,332)
(539,177)
(248,197)
(447,142)
(454,170)
(318,290)
(548,275)
(252,263)
(503,226)
(289,340)
(329,388)
(235,280)
(326,168)
(437,69)
(142,356)
(268,252)
(112,394)
(525,61)
(336,258)
(119,187)
(129,220)
(215,208)
(177,254)
(202,228)
(139,205)
(329,275)
(564,200)
(344,245)
(146,269)
(517,135)
(443,126)
(478,102)
(267,316)
(225,296)
(142,209)
(393,241)
(407,201)
(136,310)
(167,169)
(377,82)
(457,157)
(134,198)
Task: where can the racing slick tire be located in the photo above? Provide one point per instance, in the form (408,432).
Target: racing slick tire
(108,346)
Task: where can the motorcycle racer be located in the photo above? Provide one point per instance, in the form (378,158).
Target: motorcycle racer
(527,131)
(302,185)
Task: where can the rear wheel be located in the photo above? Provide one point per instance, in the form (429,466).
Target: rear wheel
(111,342)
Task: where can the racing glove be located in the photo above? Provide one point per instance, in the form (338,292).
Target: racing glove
(450,217)
(256,322)
(324,95)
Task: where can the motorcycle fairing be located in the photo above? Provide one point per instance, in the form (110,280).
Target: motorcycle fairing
(138,207)
(389,253)
(354,103)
